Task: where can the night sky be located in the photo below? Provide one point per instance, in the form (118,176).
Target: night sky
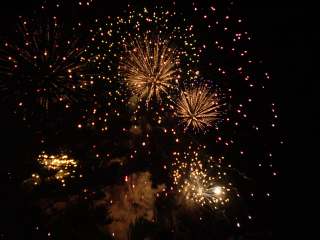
(281,35)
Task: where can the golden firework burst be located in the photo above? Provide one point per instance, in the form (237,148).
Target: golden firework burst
(197,108)
(61,165)
(201,188)
(198,182)
(150,68)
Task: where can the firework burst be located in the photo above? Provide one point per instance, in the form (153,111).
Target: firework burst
(197,108)
(199,181)
(42,67)
(149,52)
(150,68)
(200,188)
(61,165)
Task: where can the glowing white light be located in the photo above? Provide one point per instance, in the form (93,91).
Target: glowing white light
(217,190)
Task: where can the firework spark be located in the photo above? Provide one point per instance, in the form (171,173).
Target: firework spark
(42,66)
(149,52)
(61,165)
(201,188)
(197,108)
(150,68)
(194,179)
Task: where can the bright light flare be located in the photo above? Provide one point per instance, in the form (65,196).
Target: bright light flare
(199,179)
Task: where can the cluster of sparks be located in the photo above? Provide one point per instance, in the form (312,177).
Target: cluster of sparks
(197,108)
(151,56)
(150,68)
(193,178)
(61,165)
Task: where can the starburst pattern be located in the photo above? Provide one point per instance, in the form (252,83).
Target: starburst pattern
(197,108)
(43,66)
(147,54)
(150,68)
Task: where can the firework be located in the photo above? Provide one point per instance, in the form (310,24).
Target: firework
(201,188)
(85,3)
(148,51)
(150,68)
(200,181)
(197,108)
(154,53)
(36,180)
(43,66)
(61,165)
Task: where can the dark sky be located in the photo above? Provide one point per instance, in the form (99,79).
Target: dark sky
(285,34)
